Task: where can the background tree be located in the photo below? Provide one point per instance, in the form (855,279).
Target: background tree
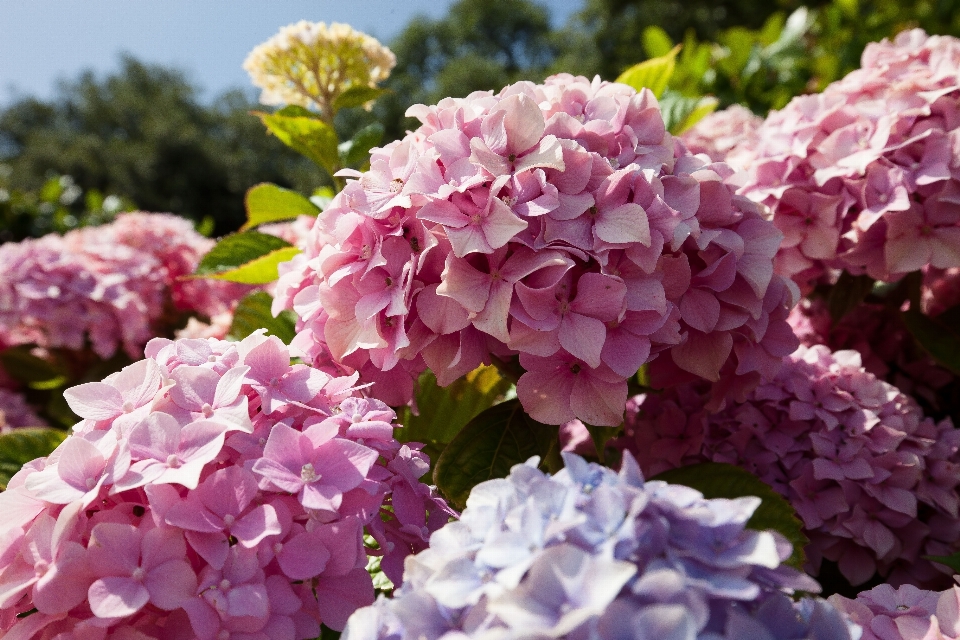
(143,134)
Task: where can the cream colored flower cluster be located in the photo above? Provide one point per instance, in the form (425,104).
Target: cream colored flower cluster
(310,64)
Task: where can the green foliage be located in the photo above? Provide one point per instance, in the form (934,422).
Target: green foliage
(306,134)
(489,445)
(269,203)
(357,96)
(718,480)
(355,153)
(36,373)
(939,336)
(253,312)
(249,257)
(57,206)
(654,74)
(445,410)
(847,293)
(23,445)
(143,135)
(477,45)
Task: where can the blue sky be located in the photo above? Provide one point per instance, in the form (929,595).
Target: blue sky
(44,41)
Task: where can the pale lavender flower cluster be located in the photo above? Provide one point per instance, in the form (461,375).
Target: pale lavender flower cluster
(907,613)
(558,224)
(727,135)
(874,482)
(589,553)
(861,177)
(110,285)
(212,488)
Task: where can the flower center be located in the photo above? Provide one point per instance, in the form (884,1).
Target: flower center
(206,410)
(173,461)
(308,473)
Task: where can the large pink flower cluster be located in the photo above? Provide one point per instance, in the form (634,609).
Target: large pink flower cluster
(211,487)
(874,482)
(558,224)
(886,348)
(907,613)
(861,176)
(110,285)
(727,135)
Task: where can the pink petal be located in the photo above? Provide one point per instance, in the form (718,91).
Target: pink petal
(256,525)
(583,336)
(157,437)
(115,597)
(171,584)
(545,394)
(597,402)
(626,224)
(700,309)
(195,386)
(703,354)
(94,400)
(303,557)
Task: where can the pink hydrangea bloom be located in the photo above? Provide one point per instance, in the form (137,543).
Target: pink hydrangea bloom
(558,226)
(726,135)
(941,290)
(212,489)
(886,348)
(860,177)
(874,482)
(113,285)
(906,613)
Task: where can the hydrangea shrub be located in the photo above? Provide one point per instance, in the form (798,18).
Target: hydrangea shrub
(874,482)
(213,487)
(589,553)
(558,227)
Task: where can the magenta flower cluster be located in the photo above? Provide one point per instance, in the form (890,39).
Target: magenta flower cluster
(885,345)
(874,482)
(559,223)
(110,285)
(588,553)
(727,135)
(211,487)
(907,613)
(861,177)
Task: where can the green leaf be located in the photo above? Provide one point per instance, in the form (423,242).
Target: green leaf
(656,42)
(267,202)
(701,109)
(445,410)
(307,135)
(682,112)
(237,250)
(206,226)
(27,368)
(355,153)
(23,445)
(719,480)
(489,446)
(952,561)
(654,74)
(940,336)
(356,96)
(847,293)
(253,313)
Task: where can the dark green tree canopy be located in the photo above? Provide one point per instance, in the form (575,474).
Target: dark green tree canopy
(143,133)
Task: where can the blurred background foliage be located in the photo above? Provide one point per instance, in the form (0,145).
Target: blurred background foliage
(141,138)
